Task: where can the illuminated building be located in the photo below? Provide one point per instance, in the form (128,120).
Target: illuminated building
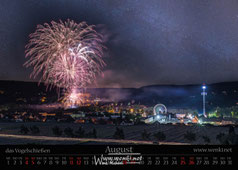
(43,99)
(47,114)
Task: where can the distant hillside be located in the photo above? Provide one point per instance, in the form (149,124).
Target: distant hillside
(10,91)
(219,94)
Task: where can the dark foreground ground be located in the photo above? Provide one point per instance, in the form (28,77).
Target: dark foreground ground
(174,133)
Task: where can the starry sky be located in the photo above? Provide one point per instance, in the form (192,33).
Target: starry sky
(148,41)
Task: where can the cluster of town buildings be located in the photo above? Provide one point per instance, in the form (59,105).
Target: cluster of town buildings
(101,113)
(113,114)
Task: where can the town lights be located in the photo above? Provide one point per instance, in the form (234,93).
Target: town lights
(158,116)
(190,116)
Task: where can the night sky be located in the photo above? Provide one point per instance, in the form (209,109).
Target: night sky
(148,41)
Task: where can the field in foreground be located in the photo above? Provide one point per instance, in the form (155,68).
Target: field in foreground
(174,133)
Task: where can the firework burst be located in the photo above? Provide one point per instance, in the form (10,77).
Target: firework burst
(67,54)
(72,98)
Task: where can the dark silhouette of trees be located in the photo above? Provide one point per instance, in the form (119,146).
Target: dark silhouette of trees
(228,139)
(190,136)
(119,134)
(34,129)
(206,139)
(23,129)
(68,132)
(57,131)
(145,135)
(94,133)
(80,132)
(160,136)
(220,137)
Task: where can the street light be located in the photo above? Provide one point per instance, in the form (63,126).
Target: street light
(204,101)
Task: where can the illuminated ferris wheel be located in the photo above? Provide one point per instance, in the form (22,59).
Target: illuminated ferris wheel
(159,109)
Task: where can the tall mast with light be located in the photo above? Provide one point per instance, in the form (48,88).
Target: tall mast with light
(204,99)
